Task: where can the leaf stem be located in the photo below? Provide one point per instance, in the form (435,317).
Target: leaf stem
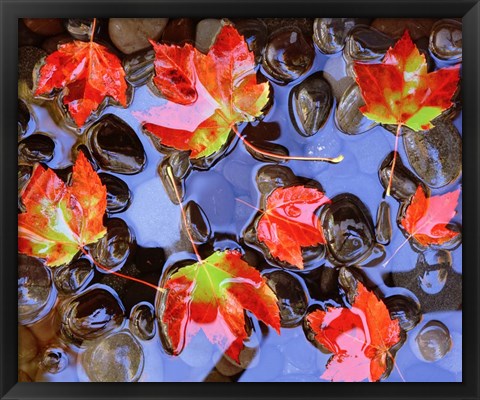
(334,160)
(184,216)
(130,278)
(93,29)
(248,204)
(395,152)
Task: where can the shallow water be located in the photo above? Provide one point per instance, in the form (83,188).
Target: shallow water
(156,222)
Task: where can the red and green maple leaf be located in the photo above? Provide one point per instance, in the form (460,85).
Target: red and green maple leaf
(60,220)
(212,296)
(289,223)
(87,73)
(400,91)
(359,337)
(208,94)
(426,218)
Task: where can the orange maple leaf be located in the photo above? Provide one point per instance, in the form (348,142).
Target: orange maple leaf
(87,73)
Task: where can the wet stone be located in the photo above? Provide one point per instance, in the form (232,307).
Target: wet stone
(395,27)
(329,34)
(112,250)
(72,278)
(404,182)
(446,40)
(23,117)
(197,222)
(366,44)
(288,55)
(115,146)
(348,117)
(81,28)
(24,174)
(91,314)
(139,67)
(310,104)
(405,309)
(178,164)
(23,376)
(434,341)
(27,345)
(383,228)
(115,358)
(292,300)
(303,24)
(26,37)
(132,34)
(28,57)
(54,360)
(255,33)
(435,283)
(269,177)
(36,294)
(44,26)
(179,31)
(322,283)
(206,33)
(348,229)
(435,155)
(36,148)
(142,321)
(52,43)
(433,268)
(118,193)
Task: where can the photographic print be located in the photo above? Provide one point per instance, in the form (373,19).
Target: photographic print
(239,200)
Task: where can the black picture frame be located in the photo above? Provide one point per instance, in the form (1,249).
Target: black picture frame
(469,10)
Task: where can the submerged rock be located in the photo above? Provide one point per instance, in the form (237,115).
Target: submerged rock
(435,155)
(112,250)
(434,341)
(115,146)
(117,357)
(179,31)
(446,40)
(366,44)
(348,229)
(292,299)
(91,314)
(36,148)
(348,117)
(206,33)
(73,277)
(404,182)
(255,32)
(395,27)
(142,321)
(288,55)
(329,34)
(310,104)
(131,34)
(36,293)
(118,193)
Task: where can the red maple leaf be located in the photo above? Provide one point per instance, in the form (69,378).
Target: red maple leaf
(208,94)
(426,218)
(400,91)
(359,337)
(87,73)
(59,219)
(289,222)
(212,296)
